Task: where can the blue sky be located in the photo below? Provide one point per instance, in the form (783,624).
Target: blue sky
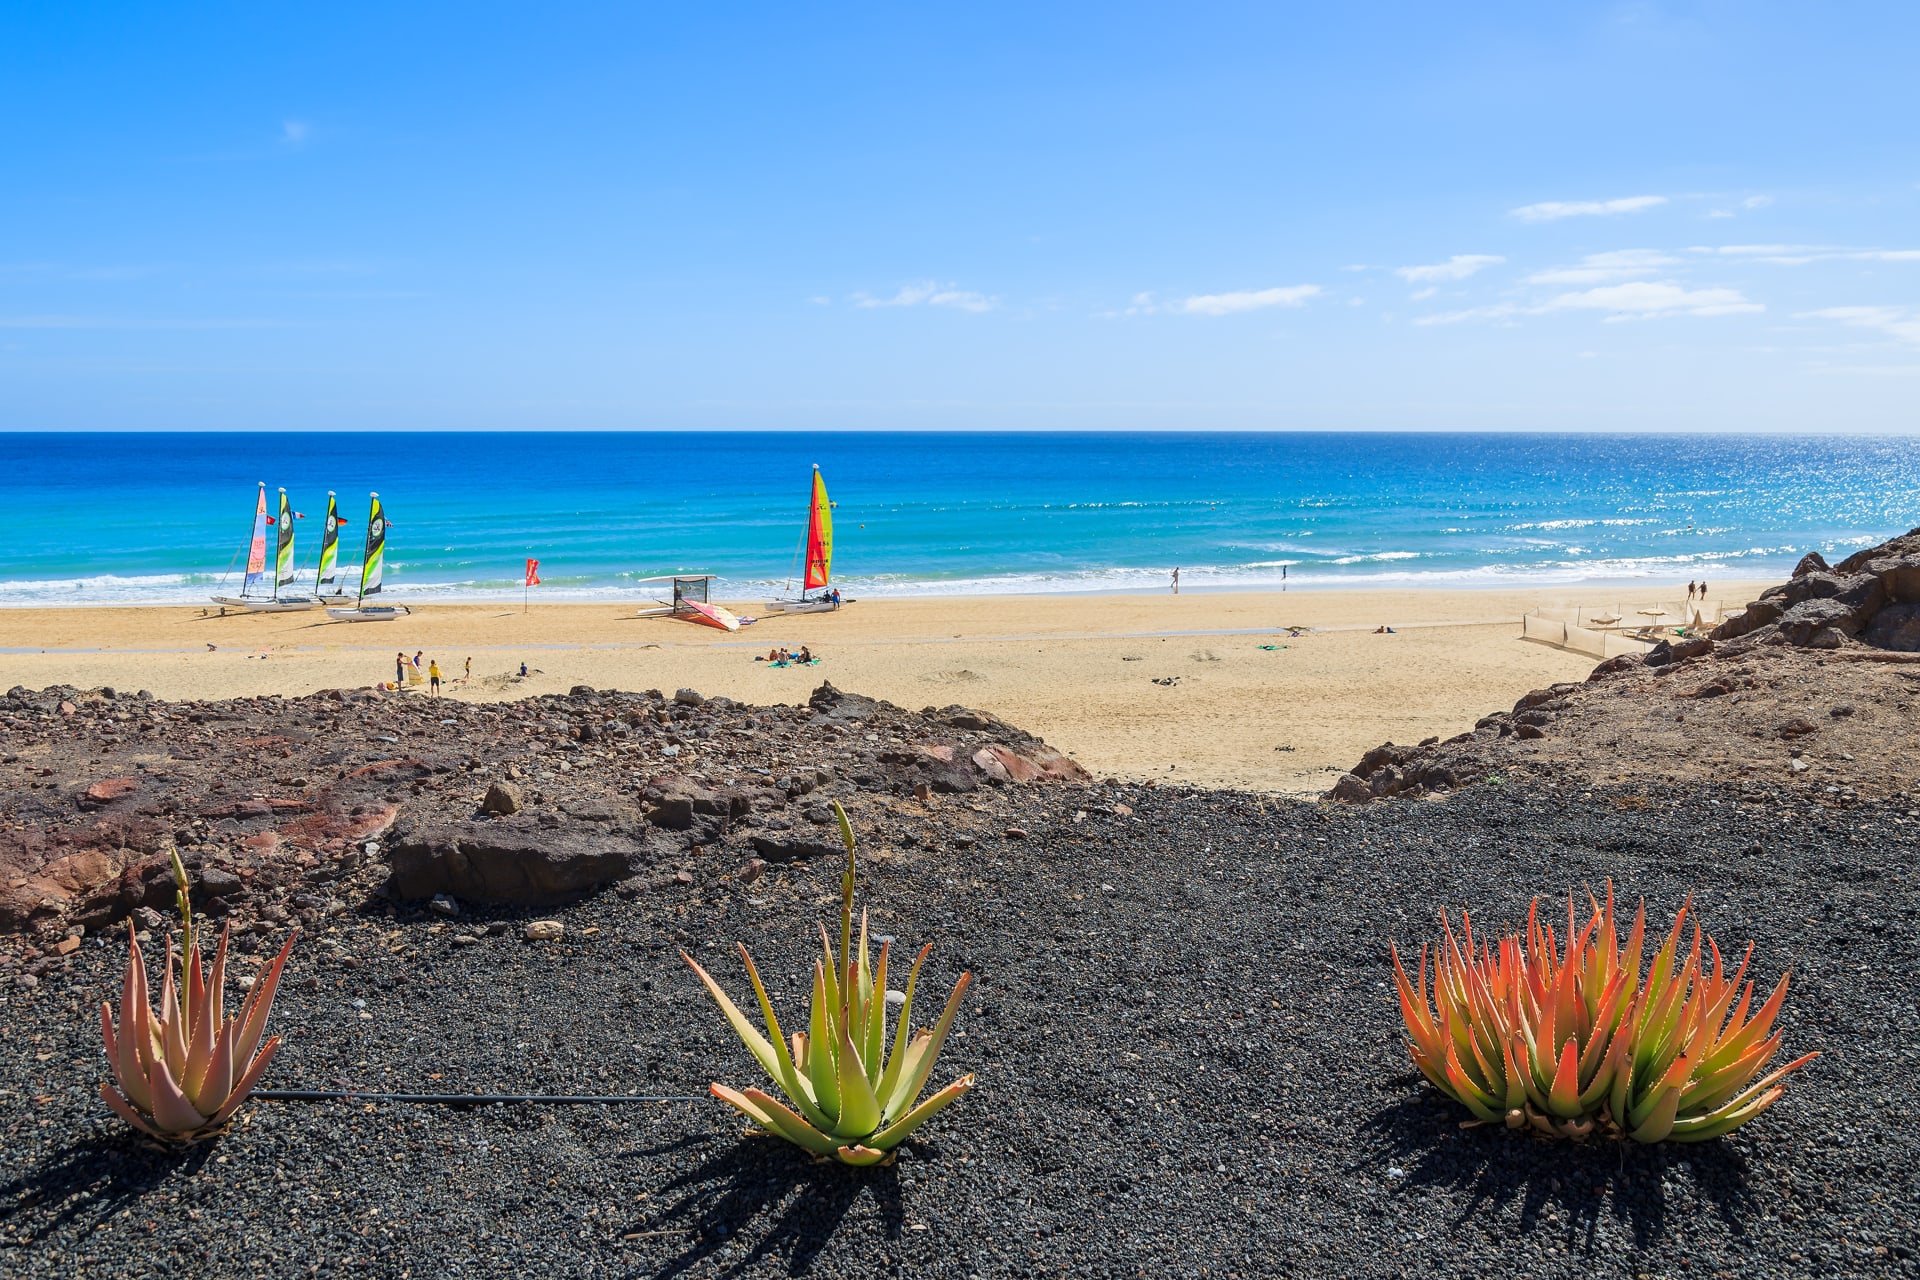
(417,217)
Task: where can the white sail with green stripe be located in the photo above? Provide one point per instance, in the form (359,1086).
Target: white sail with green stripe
(326,579)
(283,570)
(375,563)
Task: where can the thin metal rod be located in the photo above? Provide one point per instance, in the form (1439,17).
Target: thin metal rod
(463,1099)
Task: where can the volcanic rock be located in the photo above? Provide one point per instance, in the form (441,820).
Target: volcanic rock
(504,862)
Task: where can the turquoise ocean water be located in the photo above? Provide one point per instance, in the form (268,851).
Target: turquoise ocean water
(161,517)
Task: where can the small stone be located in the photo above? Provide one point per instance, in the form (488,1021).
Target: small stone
(896,998)
(67,708)
(922,792)
(464,940)
(671,750)
(1798,766)
(684,877)
(147,919)
(544,931)
(26,981)
(1123,811)
(443,905)
(503,798)
(245,982)
(1016,833)
(66,946)
(688,698)
(751,871)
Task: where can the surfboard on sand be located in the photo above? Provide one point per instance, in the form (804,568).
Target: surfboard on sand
(711,614)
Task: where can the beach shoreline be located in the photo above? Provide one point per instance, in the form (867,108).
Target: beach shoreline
(1134,686)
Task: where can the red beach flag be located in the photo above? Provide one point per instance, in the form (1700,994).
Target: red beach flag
(533,573)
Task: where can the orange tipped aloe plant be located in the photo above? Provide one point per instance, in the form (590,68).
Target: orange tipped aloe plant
(184,1073)
(852,1101)
(1574,1040)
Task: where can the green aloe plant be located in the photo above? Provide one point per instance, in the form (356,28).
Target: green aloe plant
(852,1100)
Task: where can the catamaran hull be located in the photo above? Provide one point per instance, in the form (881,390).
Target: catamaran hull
(373,613)
(801,606)
(265,606)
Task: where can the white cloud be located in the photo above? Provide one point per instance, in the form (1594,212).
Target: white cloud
(1458,267)
(1799,255)
(1553,210)
(1655,298)
(1598,268)
(928,294)
(1632,300)
(1902,323)
(1421,295)
(1226,304)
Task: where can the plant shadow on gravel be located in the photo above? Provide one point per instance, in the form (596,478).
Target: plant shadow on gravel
(1562,1186)
(774,1196)
(96,1178)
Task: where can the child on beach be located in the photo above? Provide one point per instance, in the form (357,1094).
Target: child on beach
(433,677)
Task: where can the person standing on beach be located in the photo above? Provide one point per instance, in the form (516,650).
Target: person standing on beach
(1691,588)
(1176,580)
(433,678)
(399,669)
(469,675)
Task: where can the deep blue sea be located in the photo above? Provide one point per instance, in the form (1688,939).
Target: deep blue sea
(161,517)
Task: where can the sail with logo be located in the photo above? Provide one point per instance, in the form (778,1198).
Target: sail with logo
(326,578)
(372,570)
(259,592)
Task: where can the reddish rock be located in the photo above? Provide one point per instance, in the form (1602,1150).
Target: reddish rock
(112,789)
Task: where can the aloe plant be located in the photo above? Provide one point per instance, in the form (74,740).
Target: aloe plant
(183,1074)
(1574,1041)
(852,1100)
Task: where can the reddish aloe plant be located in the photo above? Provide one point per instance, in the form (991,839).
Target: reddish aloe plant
(1573,1041)
(184,1072)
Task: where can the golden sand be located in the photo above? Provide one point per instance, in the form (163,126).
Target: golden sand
(1087,673)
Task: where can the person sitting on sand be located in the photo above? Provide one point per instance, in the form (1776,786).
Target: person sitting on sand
(806,655)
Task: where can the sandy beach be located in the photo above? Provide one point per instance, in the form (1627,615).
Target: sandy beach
(1087,673)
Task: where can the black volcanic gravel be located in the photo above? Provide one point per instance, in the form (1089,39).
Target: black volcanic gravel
(1189,1055)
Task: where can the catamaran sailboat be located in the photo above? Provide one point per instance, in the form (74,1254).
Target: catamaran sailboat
(256,595)
(326,579)
(371,568)
(817,548)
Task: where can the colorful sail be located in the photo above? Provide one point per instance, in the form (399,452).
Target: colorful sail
(370,568)
(283,573)
(257,548)
(819,536)
(327,581)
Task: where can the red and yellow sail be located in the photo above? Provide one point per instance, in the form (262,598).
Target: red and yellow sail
(819,536)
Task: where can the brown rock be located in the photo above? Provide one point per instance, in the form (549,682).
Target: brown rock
(503,798)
